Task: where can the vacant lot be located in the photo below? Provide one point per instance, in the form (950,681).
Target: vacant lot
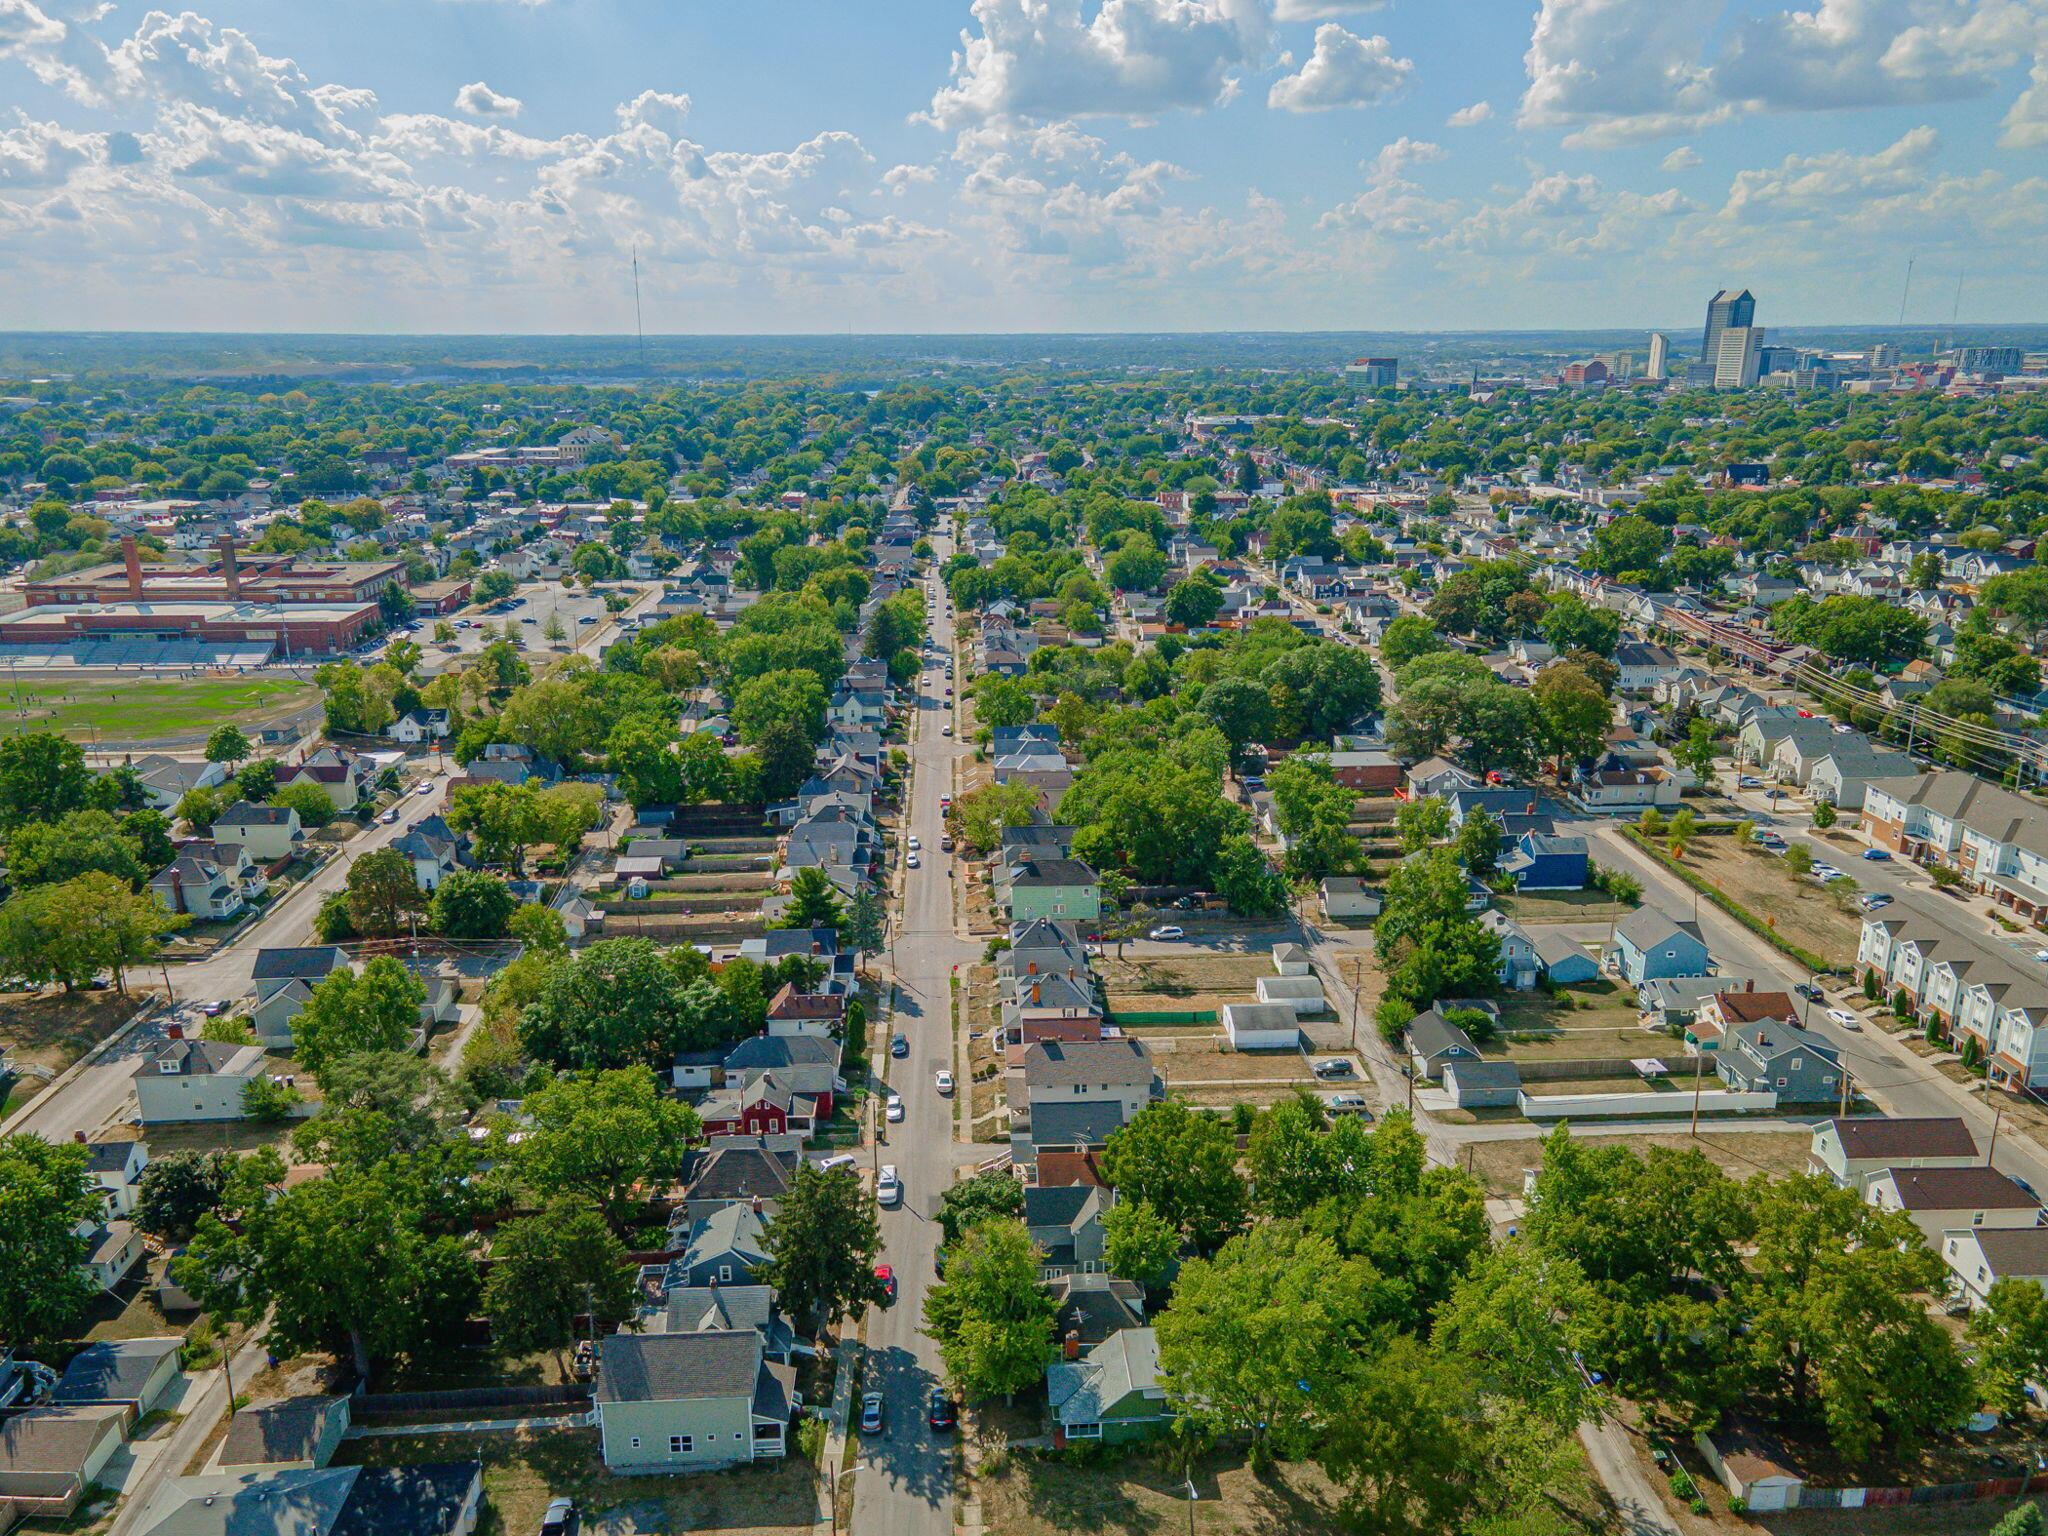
(1212,1066)
(1561,907)
(1498,1164)
(136,709)
(1182,983)
(1799,909)
(523,1472)
(52,1029)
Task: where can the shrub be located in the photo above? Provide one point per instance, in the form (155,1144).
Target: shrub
(267,1101)
(1823,815)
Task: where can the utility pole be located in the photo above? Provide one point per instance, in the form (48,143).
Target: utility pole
(1699,1067)
(1845,1091)
(1997,1115)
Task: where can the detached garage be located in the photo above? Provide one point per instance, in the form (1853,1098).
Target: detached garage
(1261,1026)
(1302,994)
(1347,896)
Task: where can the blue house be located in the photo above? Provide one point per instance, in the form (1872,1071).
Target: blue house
(1648,946)
(1544,861)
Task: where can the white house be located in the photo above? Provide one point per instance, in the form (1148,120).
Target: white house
(1979,1257)
(195,1080)
(267,833)
(1940,1200)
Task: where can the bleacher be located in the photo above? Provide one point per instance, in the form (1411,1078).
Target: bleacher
(137,655)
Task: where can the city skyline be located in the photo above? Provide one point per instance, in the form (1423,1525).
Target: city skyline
(1017,165)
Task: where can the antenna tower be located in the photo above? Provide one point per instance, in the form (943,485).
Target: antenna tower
(639,328)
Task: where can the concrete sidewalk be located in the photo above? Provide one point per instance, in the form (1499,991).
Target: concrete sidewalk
(848,1358)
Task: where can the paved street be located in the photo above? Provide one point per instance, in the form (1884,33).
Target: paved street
(905,1482)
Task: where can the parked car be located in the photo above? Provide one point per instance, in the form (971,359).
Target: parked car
(887,1277)
(560,1518)
(426,787)
(389,816)
(871,1413)
(1348,1104)
(939,1412)
(914,862)
(1874,900)
(946,843)
(947,731)
(1876,855)
(914,843)
(583,1364)
(1166,931)
(899,1045)
(837,1160)
(1748,781)
(944,1081)
(1810,992)
(1845,1018)
(213,1009)
(1332,1066)
(888,1187)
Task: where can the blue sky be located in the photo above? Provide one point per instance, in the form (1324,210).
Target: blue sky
(944,165)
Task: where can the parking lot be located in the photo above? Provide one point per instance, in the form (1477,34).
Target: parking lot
(529,611)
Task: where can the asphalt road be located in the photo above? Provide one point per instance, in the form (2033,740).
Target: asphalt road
(904,1482)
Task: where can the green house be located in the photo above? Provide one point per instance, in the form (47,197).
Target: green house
(1062,890)
(1110,1392)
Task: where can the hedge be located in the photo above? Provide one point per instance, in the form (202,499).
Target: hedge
(1733,908)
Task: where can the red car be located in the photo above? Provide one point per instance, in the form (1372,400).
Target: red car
(887,1276)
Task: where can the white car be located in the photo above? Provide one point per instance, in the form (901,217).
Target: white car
(1845,1018)
(426,787)
(915,862)
(389,816)
(1167,931)
(837,1160)
(892,1107)
(947,731)
(944,1080)
(914,843)
(888,1188)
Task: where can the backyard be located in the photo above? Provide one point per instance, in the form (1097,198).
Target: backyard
(522,1472)
(140,709)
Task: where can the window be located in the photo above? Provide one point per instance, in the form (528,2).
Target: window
(1084,1431)
(679,1445)
(636,1442)
(1798,1062)
(725,1270)
(1976,1218)
(1781,1082)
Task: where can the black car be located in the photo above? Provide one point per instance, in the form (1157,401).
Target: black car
(1810,992)
(940,1414)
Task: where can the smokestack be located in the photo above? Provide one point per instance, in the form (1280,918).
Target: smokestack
(131,562)
(228,572)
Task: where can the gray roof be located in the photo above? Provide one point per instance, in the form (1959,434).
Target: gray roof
(1430,1034)
(673,1367)
(289,1430)
(55,1441)
(1904,1136)
(1646,928)
(1052,872)
(1485,1074)
(114,1370)
(720,1308)
(2015,1252)
(425,1497)
(1075,1122)
(1079,1063)
(1125,1362)
(766,1052)
(201,1058)
(245,814)
(301,962)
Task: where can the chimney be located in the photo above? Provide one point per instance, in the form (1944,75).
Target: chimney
(1070,1346)
(228,572)
(1749,985)
(79,1137)
(131,562)
(757,1205)
(177,890)
(1034,994)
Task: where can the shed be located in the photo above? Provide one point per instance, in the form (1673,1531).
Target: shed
(1347,896)
(1292,960)
(1750,1463)
(1303,994)
(1483,1084)
(294,1432)
(1261,1026)
(49,1457)
(1564,959)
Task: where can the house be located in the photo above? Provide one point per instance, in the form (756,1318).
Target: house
(1292,960)
(50,1458)
(434,857)
(725,1309)
(1090,1306)
(1719,1015)
(1979,1257)
(435,1498)
(133,1374)
(1366,770)
(292,1432)
(1110,1392)
(342,775)
(267,833)
(818,1014)
(1117,1072)
(1672,1002)
(1064,889)
(185,1080)
(167,780)
(112,1249)
(1440,777)
(1066,1223)
(806,1064)
(116,1166)
(1348,897)
(1648,946)
(689,1402)
(1433,1041)
(1561,959)
(1842,778)
(1775,1056)
(1543,861)
(1483,1084)
(1943,1200)
(281,981)
(1262,1026)
(733,1170)
(199,887)
(758,1104)
(1851,1151)
(1643,665)
(725,1247)
(1519,963)
(418,725)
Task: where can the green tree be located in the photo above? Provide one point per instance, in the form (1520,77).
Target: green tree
(778,697)
(312,803)
(377,1010)
(1477,844)
(1823,815)
(1407,637)
(599,1138)
(77,843)
(227,744)
(990,1317)
(50,1201)
(1246,882)
(538,928)
(1139,1245)
(1573,714)
(178,1189)
(822,1246)
(2027,1520)
(866,925)
(1193,602)
(1183,1164)
(383,894)
(42,776)
(813,903)
(1571,625)
(470,904)
(1422,822)
(2010,1337)
(981,816)
(548,1270)
(981,1197)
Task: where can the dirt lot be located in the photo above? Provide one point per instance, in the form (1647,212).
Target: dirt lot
(1801,910)
(53,1030)
(1498,1164)
(1181,983)
(1213,1066)
(1561,907)
(523,1472)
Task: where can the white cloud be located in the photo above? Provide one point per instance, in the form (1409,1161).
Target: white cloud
(2025,126)
(660,109)
(1345,70)
(899,179)
(479,100)
(1043,60)
(1392,204)
(1470,117)
(1808,186)
(1683,158)
(1322,10)
(45,154)
(1618,69)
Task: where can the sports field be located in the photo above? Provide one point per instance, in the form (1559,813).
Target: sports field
(139,709)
